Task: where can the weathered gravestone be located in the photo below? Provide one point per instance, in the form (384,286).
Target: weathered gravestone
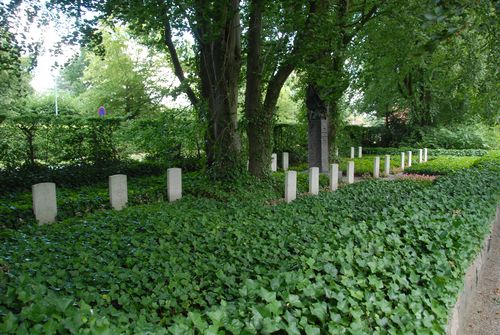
(44,202)
(285,161)
(314,180)
(317,130)
(334,177)
(376,167)
(290,186)
(118,193)
(350,172)
(387,170)
(274,162)
(174,184)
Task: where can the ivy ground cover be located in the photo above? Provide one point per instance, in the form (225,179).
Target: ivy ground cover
(380,257)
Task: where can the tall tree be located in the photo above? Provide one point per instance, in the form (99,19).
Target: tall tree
(325,64)
(284,26)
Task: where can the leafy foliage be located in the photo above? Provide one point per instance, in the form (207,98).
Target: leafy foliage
(362,260)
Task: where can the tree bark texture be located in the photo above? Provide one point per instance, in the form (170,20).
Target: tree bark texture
(220,63)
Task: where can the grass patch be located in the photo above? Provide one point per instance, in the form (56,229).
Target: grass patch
(443,165)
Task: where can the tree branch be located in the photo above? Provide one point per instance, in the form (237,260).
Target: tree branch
(179,72)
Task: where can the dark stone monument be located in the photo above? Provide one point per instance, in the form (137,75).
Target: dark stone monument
(317,113)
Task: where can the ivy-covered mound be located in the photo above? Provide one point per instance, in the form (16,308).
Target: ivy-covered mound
(379,257)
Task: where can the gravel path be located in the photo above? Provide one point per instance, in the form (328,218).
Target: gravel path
(484,314)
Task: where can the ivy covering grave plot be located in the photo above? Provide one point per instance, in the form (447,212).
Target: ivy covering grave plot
(443,165)
(377,257)
(16,208)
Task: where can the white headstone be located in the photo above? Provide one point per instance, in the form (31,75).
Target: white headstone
(402,161)
(352,152)
(387,167)
(350,172)
(314,180)
(376,167)
(174,184)
(290,186)
(425,154)
(274,162)
(420,155)
(360,152)
(409,158)
(285,161)
(118,193)
(44,202)
(337,152)
(334,177)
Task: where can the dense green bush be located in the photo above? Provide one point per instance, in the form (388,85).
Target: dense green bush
(36,139)
(291,138)
(473,136)
(71,176)
(363,260)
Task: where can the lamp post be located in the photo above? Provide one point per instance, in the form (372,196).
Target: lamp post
(56,106)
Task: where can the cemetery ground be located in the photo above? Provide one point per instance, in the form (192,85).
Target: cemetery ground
(375,257)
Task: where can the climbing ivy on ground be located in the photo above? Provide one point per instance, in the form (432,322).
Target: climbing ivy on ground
(380,257)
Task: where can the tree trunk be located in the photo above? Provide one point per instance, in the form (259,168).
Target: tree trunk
(260,115)
(259,121)
(219,71)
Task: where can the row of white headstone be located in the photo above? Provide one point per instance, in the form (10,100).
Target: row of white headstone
(336,175)
(422,153)
(45,199)
(274,162)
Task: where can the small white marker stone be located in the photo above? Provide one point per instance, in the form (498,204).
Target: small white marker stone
(174,184)
(350,172)
(387,165)
(425,154)
(409,158)
(274,162)
(420,155)
(314,180)
(334,177)
(376,167)
(352,152)
(285,161)
(402,161)
(118,193)
(360,152)
(290,186)
(44,202)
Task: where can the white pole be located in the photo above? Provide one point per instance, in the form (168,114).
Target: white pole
(57,108)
